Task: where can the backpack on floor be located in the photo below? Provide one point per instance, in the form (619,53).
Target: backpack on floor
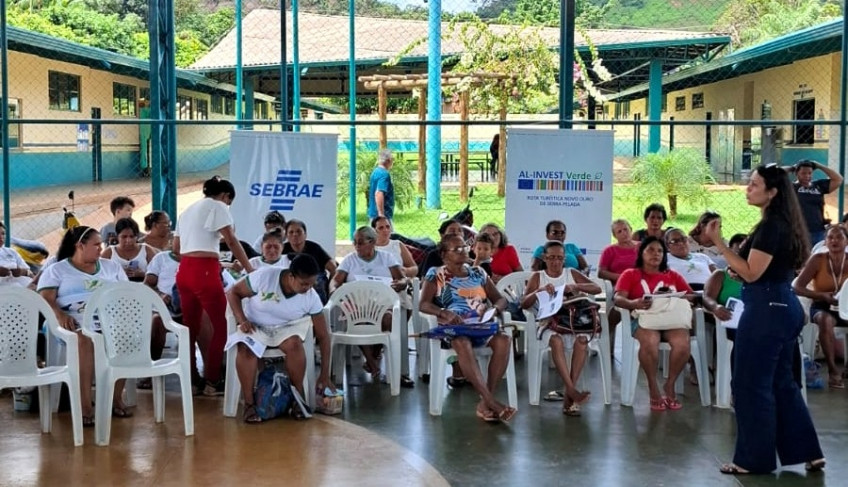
(273,396)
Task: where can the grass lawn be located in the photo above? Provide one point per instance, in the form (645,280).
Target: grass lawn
(738,217)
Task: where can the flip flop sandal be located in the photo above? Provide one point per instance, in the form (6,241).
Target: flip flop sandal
(572,410)
(554,396)
(488,417)
(88,421)
(836,383)
(406,382)
(250,416)
(456,382)
(731,469)
(815,465)
(507,414)
(119,412)
(673,404)
(658,404)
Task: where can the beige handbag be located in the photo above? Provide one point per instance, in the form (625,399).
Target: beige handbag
(665,313)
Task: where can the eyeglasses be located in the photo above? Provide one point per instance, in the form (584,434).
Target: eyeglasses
(460,250)
(555,257)
(557,232)
(675,241)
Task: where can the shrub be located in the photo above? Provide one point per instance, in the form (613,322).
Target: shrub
(680,173)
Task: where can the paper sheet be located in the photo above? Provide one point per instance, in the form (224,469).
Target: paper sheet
(736,307)
(255,346)
(363,277)
(549,304)
(487,317)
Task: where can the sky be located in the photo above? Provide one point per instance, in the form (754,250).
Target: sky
(447,5)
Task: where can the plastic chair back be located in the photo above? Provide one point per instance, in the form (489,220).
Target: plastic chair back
(124,310)
(512,285)
(19,308)
(362,305)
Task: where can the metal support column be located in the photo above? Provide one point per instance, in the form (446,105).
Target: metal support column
(566,63)
(654,104)
(843,107)
(163,103)
(352,112)
(4,107)
(284,70)
(434,105)
(239,72)
(296,65)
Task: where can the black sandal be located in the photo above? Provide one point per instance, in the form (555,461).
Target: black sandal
(406,382)
(456,382)
(121,412)
(815,465)
(250,415)
(88,421)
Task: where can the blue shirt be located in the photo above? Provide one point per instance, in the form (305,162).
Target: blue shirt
(381,180)
(571,253)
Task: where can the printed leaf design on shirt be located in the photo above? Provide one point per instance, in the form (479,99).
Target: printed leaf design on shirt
(92,284)
(271,296)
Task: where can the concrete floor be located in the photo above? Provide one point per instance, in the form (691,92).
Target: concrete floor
(384,440)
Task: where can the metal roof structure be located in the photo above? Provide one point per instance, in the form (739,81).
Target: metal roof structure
(323,50)
(819,40)
(45,46)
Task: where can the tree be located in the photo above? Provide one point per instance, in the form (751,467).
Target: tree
(681,173)
(753,21)
(590,14)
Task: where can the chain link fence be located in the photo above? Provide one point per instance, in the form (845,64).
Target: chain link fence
(732,93)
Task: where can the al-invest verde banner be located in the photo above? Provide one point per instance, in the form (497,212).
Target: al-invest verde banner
(559,175)
(293,173)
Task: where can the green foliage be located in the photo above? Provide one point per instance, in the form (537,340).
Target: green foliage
(403,179)
(546,12)
(681,173)
(368,104)
(753,21)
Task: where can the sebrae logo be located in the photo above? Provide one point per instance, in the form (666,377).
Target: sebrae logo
(561,181)
(286,190)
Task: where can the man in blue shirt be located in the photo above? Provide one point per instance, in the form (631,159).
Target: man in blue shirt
(381,192)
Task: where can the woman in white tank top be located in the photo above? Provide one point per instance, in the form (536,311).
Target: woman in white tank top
(575,282)
(132,256)
(383,227)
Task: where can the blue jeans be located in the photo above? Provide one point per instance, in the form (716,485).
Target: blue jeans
(770,412)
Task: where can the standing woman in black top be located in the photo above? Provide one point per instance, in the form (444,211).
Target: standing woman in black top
(770,412)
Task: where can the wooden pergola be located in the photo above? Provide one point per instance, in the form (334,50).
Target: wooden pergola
(405,82)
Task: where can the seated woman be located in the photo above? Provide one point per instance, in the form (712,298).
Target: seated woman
(702,245)
(555,231)
(547,280)
(272,251)
(296,243)
(67,286)
(132,256)
(461,291)
(13,268)
(652,268)
(694,267)
(434,257)
(827,272)
(655,217)
(504,256)
(383,227)
(158,227)
(364,262)
(281,321)
(621,255)
(274,220)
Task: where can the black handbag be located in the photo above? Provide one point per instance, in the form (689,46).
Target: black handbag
(578,314)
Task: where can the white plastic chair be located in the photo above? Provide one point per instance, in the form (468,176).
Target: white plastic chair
(438,364)
(536,351)
(630,360)
(422,345)
(404,331)
(19,309)
(232,386)
(122,350)
(361,306)
(511,288)
(723,348)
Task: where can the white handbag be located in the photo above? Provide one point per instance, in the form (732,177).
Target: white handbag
(665,313)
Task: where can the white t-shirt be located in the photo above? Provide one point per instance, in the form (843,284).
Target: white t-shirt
(259,262)
(695,269)
(199,226)
(164,267)
(139,261)
(10,259)
(269,307)
(354,265)
(74,287)
(393,247)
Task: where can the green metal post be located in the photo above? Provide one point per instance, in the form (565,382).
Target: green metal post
(654,104)
(4,106)
(843,108)
(296,66)
(284,70)
(566,63)
(239,73)
(352,102)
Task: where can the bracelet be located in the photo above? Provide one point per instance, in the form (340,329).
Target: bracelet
(242,322)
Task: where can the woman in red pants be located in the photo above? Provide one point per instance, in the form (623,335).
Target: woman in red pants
(196,239)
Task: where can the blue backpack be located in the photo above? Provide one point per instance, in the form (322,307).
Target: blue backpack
(273,396)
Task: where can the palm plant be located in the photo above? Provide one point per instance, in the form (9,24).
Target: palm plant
(403,178)
(680,173)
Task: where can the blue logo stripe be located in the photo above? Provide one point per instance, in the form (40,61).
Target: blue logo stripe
(288,179)
(293,172)
(279,201)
